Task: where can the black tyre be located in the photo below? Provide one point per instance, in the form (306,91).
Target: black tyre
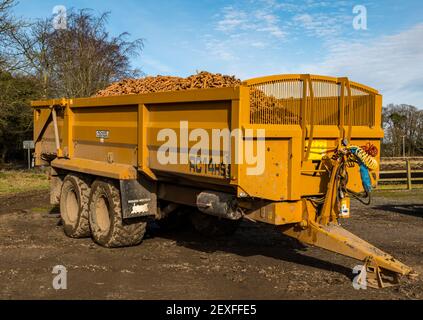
(74,208)
(212,226)
(107,226)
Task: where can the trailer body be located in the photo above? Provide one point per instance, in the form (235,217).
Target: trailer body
(305,119)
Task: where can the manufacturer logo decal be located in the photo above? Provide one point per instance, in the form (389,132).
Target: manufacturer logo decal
(140,208)
(102,134)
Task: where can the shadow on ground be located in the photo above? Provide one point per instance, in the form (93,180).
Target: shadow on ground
(252,240)
(415,210)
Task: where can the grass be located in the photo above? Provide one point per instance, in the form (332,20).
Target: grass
(398,187)
(399,193)
(15,181)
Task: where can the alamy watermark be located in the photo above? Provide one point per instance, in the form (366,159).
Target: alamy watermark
(360,280)
(215,153)
(60,17)
(60,281)
(360,19)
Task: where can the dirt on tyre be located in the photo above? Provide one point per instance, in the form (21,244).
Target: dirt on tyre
(108,229)
(74,208)
(212,226)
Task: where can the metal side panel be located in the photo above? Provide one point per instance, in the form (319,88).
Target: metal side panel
(97,168)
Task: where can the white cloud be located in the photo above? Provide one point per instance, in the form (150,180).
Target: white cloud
(274,31)
(244,28)
(321,25)
(297,6)
(259,39)
(221,50)
(393,64)
(156,65)
(258,44)
(232,19)
(258,20)
(271,21)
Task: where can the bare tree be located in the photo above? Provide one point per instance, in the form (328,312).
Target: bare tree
(78,60)
(6,20)
(403,125)
(29,45)
(36,60)
(7,24)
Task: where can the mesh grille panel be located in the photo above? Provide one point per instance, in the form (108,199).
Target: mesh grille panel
(276,102)
(279,102)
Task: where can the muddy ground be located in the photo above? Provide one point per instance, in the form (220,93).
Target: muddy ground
(256,263)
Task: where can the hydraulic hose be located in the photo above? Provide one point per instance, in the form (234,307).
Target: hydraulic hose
(369,161)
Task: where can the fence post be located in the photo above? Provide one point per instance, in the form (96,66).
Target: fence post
(408,174)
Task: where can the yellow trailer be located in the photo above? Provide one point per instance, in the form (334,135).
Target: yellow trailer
(297,149)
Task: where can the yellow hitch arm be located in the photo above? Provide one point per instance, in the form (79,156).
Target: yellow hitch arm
(382,268)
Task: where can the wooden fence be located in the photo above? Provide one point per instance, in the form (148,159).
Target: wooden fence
(398,179)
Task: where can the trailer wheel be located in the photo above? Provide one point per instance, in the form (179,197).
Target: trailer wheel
(107,226)
(74,210)
(212,226)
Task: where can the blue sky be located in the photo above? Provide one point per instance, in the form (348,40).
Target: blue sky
(251,38)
